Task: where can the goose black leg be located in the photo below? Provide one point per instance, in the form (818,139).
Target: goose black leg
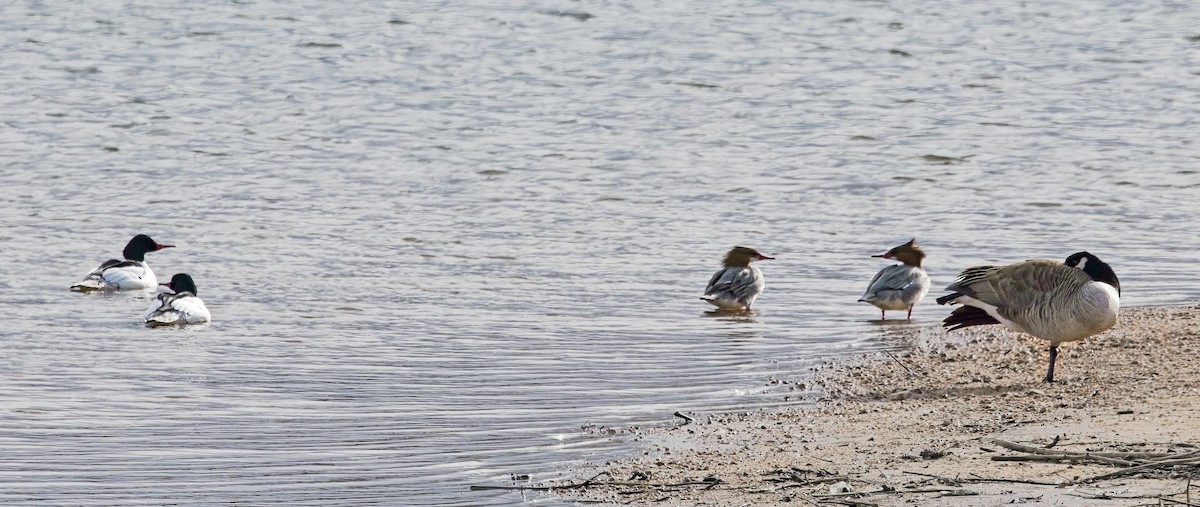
(1053,356)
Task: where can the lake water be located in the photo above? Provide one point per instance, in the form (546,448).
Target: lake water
(447,243)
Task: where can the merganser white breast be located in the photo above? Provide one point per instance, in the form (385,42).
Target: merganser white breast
(179,306)
(900,286)
(1057,302)
(129,274)
(738,284)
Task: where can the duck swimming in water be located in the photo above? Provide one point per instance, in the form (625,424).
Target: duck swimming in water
(130,274)
(179,306)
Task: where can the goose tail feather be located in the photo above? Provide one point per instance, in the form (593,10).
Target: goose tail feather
(967,316)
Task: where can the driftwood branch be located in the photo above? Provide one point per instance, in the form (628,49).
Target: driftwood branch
(1014,481)
(1119,455)
(938,477)
(847,501)
(1193,461)
(1134,462)
(1067,457)
(811,482)
(976,478)
(1177,456)
(901,363)
(1177,502)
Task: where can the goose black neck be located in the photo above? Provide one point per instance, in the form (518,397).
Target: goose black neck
(1102,272)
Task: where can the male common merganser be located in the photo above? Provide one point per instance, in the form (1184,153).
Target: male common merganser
(1057,302)
(738,284)
(899,286)
(180,306)
(130,274)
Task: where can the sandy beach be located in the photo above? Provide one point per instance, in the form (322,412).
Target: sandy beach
(960,419)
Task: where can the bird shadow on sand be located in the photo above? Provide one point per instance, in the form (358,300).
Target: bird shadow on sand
(929,392)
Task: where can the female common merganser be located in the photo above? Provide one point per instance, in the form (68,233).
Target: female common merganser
(899,286)
(180,306)
(130,274)
(1053,301)
(738,284)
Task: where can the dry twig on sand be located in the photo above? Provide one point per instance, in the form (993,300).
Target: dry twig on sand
(1135,462)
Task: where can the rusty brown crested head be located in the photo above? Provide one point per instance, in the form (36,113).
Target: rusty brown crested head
(909,253)
(740,256)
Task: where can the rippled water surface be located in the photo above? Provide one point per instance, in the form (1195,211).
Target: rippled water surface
(442,241)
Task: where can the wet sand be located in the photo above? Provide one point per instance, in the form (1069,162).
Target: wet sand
(921,428)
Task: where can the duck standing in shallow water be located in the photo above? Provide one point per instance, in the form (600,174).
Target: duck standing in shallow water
(1057,302)
(738,284)
(180,306)
(129,274)
(899,286)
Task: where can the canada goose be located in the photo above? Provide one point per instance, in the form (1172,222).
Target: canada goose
(737,284)
(1057,302)
(899,286)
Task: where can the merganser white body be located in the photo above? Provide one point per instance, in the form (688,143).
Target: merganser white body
(738,284)
(900,286)
(129,274)
(179,306)
(1057,302)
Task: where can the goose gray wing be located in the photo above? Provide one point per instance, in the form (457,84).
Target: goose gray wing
(1043,298)
(1024,289)
(1018,289)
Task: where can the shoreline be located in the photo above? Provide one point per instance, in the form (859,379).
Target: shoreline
(956,419)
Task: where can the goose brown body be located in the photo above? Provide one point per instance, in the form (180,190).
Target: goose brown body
(1057,302)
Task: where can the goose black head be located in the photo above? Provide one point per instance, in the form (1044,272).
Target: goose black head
(141,244)
(1095,268)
